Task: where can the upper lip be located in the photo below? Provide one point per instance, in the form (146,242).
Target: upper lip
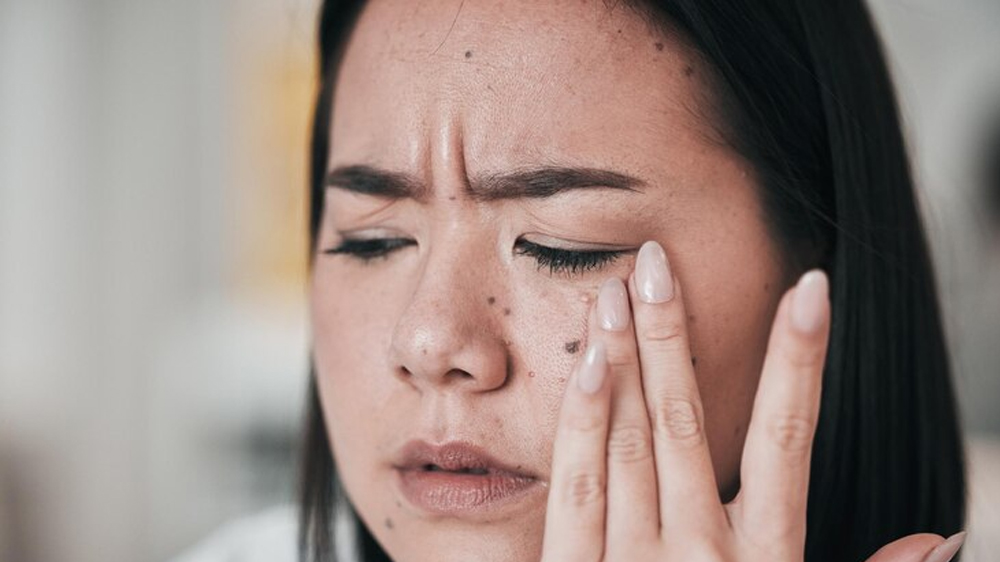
(452,456)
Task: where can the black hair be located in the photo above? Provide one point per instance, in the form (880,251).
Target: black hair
(807,100)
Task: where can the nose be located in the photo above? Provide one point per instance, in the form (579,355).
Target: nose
(449,336)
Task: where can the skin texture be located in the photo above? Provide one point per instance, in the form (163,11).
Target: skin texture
(460,338)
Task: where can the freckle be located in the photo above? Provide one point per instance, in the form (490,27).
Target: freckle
(562,379)
(506,311)
(573,346)
(388,523)
(659,46)
(423,351)
(688,71)
(694,361)
(691,318)
(531,374)
(468,54)
(451,198)
(619,31)
(491,300)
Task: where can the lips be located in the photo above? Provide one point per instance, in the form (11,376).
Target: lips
(453,457)
(458,479)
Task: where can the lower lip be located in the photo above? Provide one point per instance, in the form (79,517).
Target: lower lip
(455,493)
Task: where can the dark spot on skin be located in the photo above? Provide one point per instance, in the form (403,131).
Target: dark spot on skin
(737,429)
(491,300)
(619,31)
(423,351)
(388,523)
(688,71)
(691,318)
(767,287)
(451,198)
(694,361)
(572,346)
(506,311)
(468,54)
(659,46)
(399,504)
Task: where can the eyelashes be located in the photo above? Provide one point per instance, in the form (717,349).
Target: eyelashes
(556,260)
(573,262)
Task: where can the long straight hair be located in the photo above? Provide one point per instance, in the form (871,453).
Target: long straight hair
(806,98)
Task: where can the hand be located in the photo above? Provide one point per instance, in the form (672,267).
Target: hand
(632,479)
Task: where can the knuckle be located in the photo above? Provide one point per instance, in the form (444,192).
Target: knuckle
(792,432)
(678,420)
(583,488)
(805,357)
(629,444)
(585,422)
(667,332)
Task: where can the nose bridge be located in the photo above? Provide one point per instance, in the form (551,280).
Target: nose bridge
(448,334)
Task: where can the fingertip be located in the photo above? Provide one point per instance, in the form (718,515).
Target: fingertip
(810,302)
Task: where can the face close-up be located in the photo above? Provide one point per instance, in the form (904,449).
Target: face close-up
(491,164)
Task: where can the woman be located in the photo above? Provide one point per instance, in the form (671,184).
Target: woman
(569,289)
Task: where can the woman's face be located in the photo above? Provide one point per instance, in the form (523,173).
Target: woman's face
(468,136)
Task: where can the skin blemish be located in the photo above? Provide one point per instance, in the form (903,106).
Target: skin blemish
(506,343)
(388,523)
(531,374)
(691,318)
(468,54)
(506,311)
(492,300)
(423,351)
(694,361)
(562,379)
(451,198)
(572,346)
(688,70)
(659,46)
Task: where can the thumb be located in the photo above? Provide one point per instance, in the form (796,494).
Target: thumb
(923,547)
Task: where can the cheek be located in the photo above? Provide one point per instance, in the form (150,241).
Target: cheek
(729,324)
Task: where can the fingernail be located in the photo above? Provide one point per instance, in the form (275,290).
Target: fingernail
(591,375)
(612,305)
(653,280)
(948,549)
(809,302)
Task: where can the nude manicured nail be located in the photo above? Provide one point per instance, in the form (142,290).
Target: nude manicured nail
(948,549)
(612,305)
(809,302)
(593,368)
(653,280)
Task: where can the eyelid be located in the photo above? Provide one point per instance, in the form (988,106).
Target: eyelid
(575,245)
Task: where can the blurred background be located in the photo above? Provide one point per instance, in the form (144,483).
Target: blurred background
(153,344)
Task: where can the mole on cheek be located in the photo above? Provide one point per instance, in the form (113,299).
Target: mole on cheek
(506,311)
(572,346)
(491,300)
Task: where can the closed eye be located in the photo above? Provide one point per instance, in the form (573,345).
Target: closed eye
(566,261)
(556,260)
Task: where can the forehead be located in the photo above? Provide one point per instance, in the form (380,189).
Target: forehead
(520,81)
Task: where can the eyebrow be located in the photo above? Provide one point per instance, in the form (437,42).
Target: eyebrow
(537,183)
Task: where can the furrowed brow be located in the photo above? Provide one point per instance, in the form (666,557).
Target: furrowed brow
(548,181)
(533,183)
(368,180)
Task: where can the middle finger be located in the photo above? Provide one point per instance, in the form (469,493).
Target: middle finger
(632,509)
